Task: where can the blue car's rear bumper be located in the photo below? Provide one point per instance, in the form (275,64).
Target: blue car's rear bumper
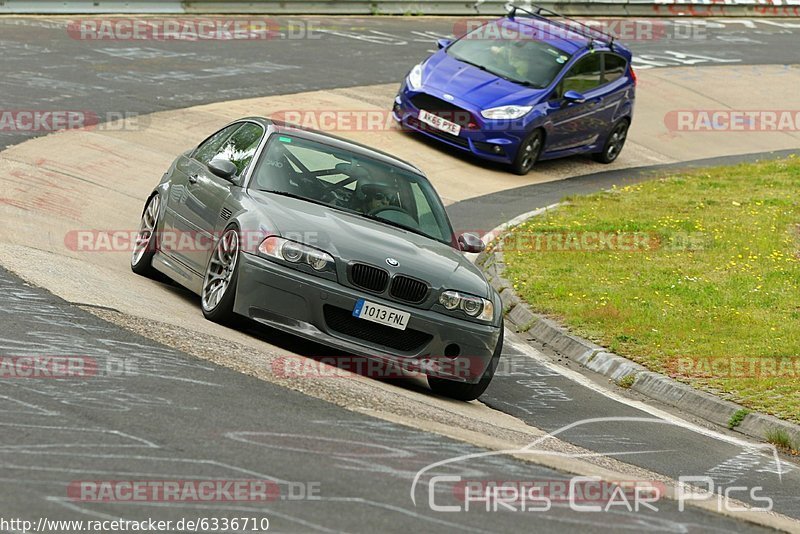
(494,142)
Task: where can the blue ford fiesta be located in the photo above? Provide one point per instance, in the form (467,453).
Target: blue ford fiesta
(524,88)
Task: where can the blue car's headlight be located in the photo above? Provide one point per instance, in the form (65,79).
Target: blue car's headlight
(297,253)
(414,78)
(476,307)
(506,112)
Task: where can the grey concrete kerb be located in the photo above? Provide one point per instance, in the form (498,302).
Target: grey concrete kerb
(542,332)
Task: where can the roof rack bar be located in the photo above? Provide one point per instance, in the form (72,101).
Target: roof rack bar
(596,35)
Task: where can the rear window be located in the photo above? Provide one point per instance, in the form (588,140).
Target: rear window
(614,67)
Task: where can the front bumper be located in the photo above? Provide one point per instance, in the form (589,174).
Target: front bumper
(321,310)
(490,140)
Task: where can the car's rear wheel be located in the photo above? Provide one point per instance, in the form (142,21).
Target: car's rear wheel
(467,392)
(528,153)
(222,275)
(144,248)
(614,143)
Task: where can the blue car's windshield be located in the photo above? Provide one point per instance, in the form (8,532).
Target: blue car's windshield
(525,61)
(301,168)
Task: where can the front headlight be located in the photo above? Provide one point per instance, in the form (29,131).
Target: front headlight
(414,78)
(297,253)
(506,112)
(473,306)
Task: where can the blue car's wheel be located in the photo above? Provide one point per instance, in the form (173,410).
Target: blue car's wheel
(528,153)
(614,143)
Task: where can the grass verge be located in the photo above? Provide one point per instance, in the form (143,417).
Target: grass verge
(694,275)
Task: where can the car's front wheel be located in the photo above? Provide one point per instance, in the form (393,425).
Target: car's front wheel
(528,153)
(614,143)
(467,392)
(145,246)
(222,274)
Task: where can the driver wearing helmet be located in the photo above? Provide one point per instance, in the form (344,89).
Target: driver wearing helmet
(376,196)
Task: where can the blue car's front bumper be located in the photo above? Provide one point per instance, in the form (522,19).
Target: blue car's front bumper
(492,140)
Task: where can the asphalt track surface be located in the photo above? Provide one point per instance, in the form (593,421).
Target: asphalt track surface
(180,418)
(185,417)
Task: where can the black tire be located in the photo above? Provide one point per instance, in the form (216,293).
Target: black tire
(221,310)
(614,143)
(468,392)
(145,248)
(528,153)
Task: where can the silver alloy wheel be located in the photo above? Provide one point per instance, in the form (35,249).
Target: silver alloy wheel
(147,228)
(220,270)
(616,141)
(531,152)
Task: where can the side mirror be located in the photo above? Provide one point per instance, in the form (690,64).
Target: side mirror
(443,43)
(470,243)
(574,97)
(222,168)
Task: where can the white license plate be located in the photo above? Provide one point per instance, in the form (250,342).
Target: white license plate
(439,123)
(381,314)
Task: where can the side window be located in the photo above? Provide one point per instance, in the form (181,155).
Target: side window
(583,76)
(613,67)
(211,146)
(240,148)
(424,215)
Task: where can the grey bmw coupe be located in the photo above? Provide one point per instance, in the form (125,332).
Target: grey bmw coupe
(329,240)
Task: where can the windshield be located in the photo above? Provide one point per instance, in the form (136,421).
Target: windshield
(526,61)
(301,168)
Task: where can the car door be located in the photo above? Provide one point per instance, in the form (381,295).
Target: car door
(198,213)
(176,224)
(240,149)
(616,91)
(575,124)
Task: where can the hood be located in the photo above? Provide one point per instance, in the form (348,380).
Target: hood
(350,237)
(444,74)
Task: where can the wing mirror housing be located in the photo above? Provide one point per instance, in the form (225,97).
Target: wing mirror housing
(222,168)
(443,43)
(574,97)
(468,242)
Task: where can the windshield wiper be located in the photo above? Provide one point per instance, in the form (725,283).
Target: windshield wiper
(347,210)
(477,66)
(290,195)
(301,197)
(396,224)
(526,83)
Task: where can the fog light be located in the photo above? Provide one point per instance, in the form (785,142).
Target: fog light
(452,350)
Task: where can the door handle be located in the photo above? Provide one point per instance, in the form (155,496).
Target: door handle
(193,178)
